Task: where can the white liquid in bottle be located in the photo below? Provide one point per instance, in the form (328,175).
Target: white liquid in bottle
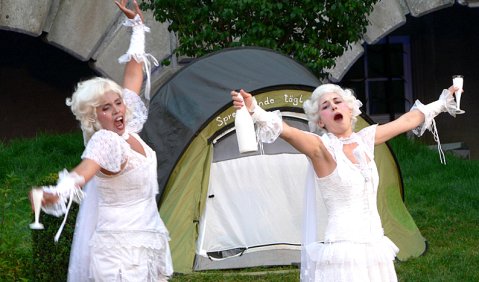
(245,131)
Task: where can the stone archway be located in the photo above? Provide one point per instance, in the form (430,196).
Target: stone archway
(385,18)
(88,30)
(442,37)
(49,45)
(91,31)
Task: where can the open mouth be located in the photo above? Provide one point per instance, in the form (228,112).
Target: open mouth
(119,122)
(338,117)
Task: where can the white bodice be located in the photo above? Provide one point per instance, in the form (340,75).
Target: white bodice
(342,238)
(119,234)
(127,204)
(350,191)
(127,209)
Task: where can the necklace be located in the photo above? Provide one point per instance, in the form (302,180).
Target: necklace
(347,140)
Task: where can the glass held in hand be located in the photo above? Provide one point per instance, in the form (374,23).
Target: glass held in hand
(458,81)
(37,196)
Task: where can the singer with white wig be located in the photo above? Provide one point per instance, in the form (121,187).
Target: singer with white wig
(119,234)
(343,171)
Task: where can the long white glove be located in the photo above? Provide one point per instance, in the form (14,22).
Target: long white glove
(68,186)
(68,189)
(136,49)
(445,103)
(269,125)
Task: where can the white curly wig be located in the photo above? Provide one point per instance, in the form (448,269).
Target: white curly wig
(311,106)
(86,98)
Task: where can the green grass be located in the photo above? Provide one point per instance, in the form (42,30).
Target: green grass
(443,200)
(25,163)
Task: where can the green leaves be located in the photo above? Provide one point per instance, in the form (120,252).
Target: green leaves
(312,32)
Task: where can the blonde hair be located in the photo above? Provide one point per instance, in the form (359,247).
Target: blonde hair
(311,106)
(86,98)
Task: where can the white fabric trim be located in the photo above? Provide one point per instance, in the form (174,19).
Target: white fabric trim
(313,223)
(84,227)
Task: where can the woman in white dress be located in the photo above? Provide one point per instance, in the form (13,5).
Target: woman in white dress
(119,235)
(342,168)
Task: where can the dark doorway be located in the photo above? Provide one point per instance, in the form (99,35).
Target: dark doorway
(35,80)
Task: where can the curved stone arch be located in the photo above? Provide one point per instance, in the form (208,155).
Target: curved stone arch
(88,30)
(387,16)
(92,31)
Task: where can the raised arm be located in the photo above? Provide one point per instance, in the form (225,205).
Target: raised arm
(133,76)
(133,73)
(415,117)
(305,142)
(312,146)
(404,123)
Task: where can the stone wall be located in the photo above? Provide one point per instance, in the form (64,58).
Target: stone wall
(91,32)
(87,29)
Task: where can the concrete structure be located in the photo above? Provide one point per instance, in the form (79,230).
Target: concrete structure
(91,31)
(98,36)
(387,15)
(88,30)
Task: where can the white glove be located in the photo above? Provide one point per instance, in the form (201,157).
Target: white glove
(137,49)
(445,103)
(269,125)
(68,187)
(137,40)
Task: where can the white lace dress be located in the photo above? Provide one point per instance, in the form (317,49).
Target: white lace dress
(353,246)
(126,240)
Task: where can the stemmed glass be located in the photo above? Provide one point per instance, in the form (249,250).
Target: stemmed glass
(37,195)
(458,81)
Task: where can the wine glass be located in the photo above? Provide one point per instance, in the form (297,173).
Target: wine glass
(458,81)
(37,196)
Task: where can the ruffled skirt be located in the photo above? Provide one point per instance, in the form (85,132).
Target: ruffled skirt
(131,260)
(354,262)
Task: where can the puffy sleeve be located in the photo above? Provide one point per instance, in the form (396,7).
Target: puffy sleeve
(138,111)
(107,149)
(368,135)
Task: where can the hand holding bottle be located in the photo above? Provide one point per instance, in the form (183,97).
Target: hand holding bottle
(244,125)
(241,98)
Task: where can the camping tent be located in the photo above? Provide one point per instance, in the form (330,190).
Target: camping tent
(226,210)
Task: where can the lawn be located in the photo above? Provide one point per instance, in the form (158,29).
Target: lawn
(442,199)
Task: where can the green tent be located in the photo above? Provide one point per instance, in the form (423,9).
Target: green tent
(216,216)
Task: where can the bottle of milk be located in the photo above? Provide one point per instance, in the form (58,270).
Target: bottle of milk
(245,130)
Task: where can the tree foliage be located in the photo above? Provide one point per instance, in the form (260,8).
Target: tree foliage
(310,31)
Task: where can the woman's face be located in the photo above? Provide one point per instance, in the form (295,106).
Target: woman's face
(335,114)
(111,112)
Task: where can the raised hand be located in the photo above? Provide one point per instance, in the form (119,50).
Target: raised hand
(241,98)
(128,12)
